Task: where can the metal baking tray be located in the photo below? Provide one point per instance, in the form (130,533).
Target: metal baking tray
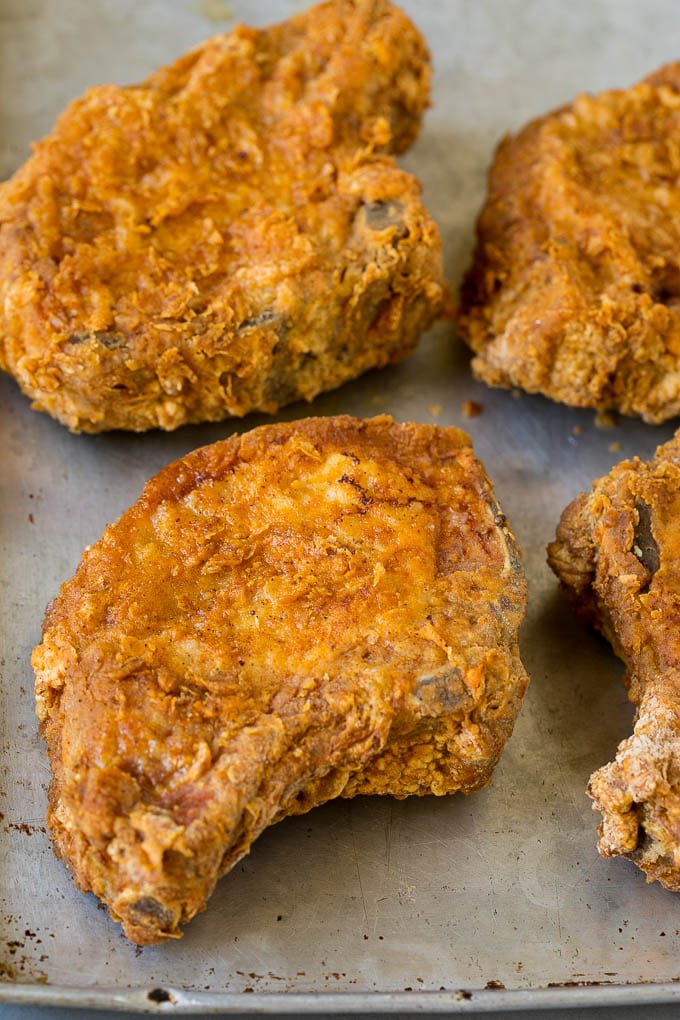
(496,901)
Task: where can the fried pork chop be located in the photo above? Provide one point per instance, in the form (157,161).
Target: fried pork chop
(575,287)
(618,555)
(230,235)
(322,608)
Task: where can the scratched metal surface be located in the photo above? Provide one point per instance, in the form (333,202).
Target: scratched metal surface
(499,900)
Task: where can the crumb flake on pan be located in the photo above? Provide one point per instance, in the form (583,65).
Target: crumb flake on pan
(323,608)
(617,553)
(230,235)
(574,291)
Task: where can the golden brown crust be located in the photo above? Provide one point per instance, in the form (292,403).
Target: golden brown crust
(230,235)
(575,287)
(311,609)
(617,553)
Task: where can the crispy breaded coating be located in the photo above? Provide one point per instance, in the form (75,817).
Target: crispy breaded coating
(231,235)
(618,555)
(575,287)
(321,608)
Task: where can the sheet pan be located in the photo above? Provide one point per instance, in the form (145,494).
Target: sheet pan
(495,901)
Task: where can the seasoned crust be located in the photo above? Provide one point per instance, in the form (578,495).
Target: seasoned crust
(617,553)
(321,608)
(231,234)
(574,291)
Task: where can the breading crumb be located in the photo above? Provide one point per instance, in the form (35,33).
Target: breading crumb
(215,10)
(606,420)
